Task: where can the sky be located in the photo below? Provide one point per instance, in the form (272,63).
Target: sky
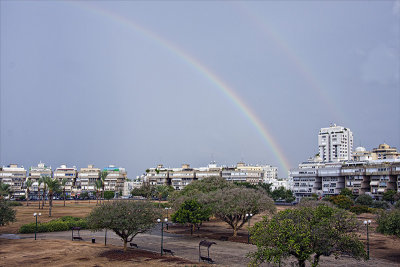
(138,83)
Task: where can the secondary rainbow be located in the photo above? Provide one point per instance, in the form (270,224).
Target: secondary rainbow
(213,78)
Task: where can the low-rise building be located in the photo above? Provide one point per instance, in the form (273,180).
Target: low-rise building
(115,179)
(87,177)
(34,174)
(70,174)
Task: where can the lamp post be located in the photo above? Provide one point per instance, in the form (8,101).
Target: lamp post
(36,215)
(367,223)
(167,216)
(248,228)
(162,233)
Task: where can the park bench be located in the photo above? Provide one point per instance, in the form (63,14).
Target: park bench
(168,251)
(133,245)
(207,259)
(76,237)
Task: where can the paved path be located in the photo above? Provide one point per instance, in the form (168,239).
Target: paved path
(224,253)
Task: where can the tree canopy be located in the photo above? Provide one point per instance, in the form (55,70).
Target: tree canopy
(192,212)
(7,214)
(125,218)
(304,232)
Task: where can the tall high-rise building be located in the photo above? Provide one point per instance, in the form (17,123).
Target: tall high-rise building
(335,143)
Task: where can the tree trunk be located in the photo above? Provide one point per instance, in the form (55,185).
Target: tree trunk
(125,245)
(302,263)
(316,260)
(39,199)
(27,198)
(64,196)
(235,231)
(44,196)
(50,204)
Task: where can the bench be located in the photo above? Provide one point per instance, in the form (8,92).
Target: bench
(77,238)
(209,260)
(133,245)
(168,251)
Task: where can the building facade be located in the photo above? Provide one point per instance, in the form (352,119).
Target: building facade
(87,177)
(15,177)
(115,179)
(335,143)
(35,174)
(70,174)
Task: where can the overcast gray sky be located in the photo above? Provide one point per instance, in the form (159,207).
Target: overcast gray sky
(136,83)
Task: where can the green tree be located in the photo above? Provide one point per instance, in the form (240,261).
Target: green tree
(53,186)
(389,222)
(28,185)
(125,218)
(343,202)
(99,186)
(63,183)
(145,190)
(389,196)
(284,194)
(5,190)
(304,232)
(109,195)
(7,214)
(365,200)
(347,192)
(232,204)
(191,212)
(103,183)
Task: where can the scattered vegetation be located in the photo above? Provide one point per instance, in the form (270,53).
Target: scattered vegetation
(389,222)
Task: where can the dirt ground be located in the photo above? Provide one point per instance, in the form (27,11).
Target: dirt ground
(69,253)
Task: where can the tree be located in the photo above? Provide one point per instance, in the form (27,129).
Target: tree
(53,186)
(103,183)
(28,185)
(125,218)
(42,180)
(191,212)
(347,192)
(365,200)
(63,183)
(389,222)
(5,190)
(232,204)
(145,190)
(7,214)
(304,232)
(109,195)
(282,193)
(343,202)
(389,196)
(99,185)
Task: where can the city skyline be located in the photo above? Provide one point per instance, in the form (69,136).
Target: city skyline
(136,84)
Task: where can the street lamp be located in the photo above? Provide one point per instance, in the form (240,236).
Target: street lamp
(366,223)
(248,228)
(36,215)
(162,233)
(167,215)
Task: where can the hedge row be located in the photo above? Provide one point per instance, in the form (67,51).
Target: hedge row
(62,224)
(13,203)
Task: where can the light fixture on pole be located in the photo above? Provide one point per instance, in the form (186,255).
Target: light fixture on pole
(36,215)
(167,216)
(248,228)
(367,223)
(162,233)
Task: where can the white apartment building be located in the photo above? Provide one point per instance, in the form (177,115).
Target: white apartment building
(87,178)
(335,143)
(115,179)
(34,174)
(69,173)
(15,177)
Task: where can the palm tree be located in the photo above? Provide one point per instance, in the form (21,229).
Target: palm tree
(5,189)
(63,183)
(103,178)
(28,185)
(40,181)
(53,186)
(99,185)
(43,180)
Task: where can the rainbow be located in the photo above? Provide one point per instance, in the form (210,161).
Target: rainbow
(204,71)
(299,64)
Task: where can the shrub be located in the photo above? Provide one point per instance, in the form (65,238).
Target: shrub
(397,205)
(358,209)
(13,203)
(365,200)
(380,204)
(343,202)
(62,224)
(389,222)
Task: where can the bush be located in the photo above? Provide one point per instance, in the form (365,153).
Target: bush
(365,200)
(13,203)
(397,205)
(341,201)
(389,222)
(62,224)
(380,204)
(109,194)
(358,209)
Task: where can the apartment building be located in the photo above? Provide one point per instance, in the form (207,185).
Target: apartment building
(34,174)
(335,143)
(158,176)
(181,177)
(15,177)
(87,177)
(244,173)
(384,151)
(115,179)
(70,174)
